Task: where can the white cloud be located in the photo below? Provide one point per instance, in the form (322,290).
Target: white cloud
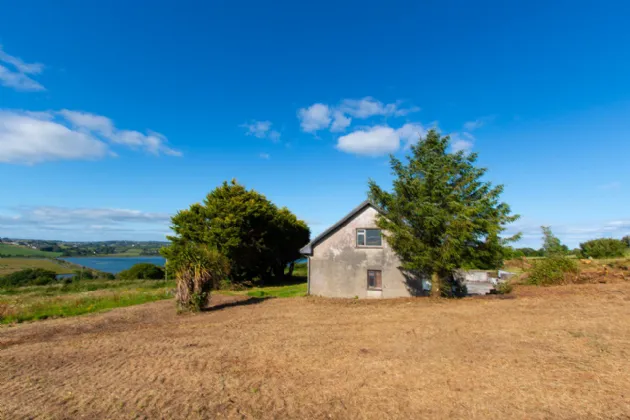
(25,139)
(373,141)
(91,122)
(261,129)
(18,78)
(314,118)
(340,122)
(265,156)
(411,133)
(34,137)
(461,142)
(380,139)
(319,116)
(99,125)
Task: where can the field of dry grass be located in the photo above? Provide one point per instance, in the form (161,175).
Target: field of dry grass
(557,352)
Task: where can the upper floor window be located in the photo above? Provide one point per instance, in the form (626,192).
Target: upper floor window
(369,237)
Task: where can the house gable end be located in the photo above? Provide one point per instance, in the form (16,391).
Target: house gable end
(308,249)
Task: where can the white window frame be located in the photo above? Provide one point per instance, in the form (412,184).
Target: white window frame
(363,232)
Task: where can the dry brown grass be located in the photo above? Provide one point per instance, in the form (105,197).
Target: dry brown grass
(556,352)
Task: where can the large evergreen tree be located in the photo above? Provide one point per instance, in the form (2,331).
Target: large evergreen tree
(441,215)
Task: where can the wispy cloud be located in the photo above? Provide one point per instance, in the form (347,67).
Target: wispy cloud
(570,234)
(368,107)
(337,118)
(610,186)
(478,123)
(265,156)
(34,137)
(461,142)
(17,75)
(73,223)
(261,129)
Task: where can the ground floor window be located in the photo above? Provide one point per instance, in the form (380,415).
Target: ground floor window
(375,279)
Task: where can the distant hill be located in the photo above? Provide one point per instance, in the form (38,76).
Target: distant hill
(50,248)
(8,250)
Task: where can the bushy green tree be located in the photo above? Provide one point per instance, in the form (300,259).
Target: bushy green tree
(28,277)
(603,248)
(142,271)
(441,215)
(551,244)
(197,269)
(626,240)
(258,238)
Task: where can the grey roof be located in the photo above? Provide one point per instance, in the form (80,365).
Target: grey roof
(308,248)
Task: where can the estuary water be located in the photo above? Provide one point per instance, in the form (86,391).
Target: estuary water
(113,265)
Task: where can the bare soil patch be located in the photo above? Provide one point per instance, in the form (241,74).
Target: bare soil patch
(556,352)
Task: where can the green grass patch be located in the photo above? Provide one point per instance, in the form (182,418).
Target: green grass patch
(292,290)
(22,251)
(63,300)
(10,265)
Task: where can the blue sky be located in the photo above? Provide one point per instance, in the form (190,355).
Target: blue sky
(114,115)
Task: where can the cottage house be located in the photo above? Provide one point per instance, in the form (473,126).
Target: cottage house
(353,259)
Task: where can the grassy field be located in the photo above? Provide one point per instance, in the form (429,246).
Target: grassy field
(131,252)
(543,353)
(20,251)
(40,302)
(10,265)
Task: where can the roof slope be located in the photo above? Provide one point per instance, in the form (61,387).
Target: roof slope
(308,248)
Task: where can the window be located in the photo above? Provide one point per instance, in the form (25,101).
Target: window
(369,237)
(375,279)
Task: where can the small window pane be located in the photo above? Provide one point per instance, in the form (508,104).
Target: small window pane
(373,237)
(374,279)
(361,237)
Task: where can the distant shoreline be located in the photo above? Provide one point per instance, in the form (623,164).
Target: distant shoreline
(112,256)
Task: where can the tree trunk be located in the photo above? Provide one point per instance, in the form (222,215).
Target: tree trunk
(435,285)
(291,267)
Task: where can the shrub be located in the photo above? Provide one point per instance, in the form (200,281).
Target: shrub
(504,288)
(143,271)
(29,276)
(552,270)
(626,240)
(198,270)
(603,248)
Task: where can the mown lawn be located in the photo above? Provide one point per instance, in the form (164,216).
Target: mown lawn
(40,302)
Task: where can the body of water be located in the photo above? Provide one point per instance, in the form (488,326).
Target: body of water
(113,265)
